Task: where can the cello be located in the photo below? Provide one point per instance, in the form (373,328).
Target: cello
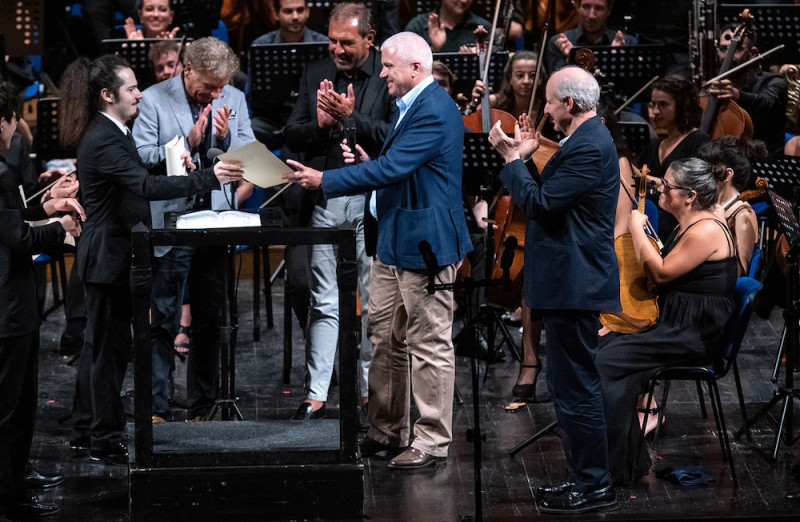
(728,119)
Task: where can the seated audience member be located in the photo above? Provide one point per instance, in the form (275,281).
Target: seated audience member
(515,90)
(19,325)
(155,17)
(449,29)
(164,59)
(696,274)
(761,93)
(591,30)
(292,19)
(735,157)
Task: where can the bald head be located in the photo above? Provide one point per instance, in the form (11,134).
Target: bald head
(576,83)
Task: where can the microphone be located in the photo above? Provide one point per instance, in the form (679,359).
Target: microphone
(349,130)
(213,154)
(507,259)
(431,263)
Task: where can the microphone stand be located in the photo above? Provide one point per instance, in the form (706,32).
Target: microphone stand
(474,434)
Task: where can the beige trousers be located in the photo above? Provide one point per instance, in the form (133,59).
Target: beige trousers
(412,335)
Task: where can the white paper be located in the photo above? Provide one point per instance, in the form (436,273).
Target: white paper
(210,219)
(261,167)
(174,149)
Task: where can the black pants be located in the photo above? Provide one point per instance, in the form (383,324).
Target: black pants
(19,362)
(107,340)
(574,384)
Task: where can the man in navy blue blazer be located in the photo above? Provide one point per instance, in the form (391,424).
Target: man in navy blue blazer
(417,184)
(571,272)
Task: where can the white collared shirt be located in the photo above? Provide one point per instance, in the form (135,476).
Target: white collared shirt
(124,128)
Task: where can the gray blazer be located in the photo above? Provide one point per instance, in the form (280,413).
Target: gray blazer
(164,113)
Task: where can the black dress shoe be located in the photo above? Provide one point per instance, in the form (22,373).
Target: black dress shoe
(27,508)
(554,491)
(580,502)
(306,412)
(116,455)
(36,480)
(372,448)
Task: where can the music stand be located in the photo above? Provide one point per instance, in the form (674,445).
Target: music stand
(48,145)
(22,23)
(775,25)
(782,172)
(466,68)
(787,223)
(628,67)
(135,52)
(636,134)
(275,69)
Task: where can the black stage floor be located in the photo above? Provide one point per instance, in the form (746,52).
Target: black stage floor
(96,492)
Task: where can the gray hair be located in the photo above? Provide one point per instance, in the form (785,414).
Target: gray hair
(695,174)
(212,56)
(579,85)
(343,12)
(410,47)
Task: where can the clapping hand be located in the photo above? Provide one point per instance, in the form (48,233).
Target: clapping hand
(199,128)
(221,121)
(338,106)
(324,120)
(436,33)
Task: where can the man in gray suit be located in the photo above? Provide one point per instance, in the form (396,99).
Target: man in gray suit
(200,107)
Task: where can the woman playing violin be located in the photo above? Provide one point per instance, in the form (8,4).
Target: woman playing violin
(515,91)
(731,159)
(697,275)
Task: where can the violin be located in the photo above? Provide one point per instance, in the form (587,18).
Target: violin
(761,188)
(483,119)
(728,119)
(639,304)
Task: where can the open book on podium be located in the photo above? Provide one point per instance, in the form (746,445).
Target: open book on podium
(213,219)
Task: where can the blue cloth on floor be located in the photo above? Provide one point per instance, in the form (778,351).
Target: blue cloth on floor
(689,476)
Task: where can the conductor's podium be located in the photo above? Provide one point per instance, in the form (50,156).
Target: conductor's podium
(244,470)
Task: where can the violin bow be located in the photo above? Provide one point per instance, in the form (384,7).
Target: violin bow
(539,61)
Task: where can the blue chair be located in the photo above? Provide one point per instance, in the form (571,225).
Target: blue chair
(754,271)
(651,211)
(732,335)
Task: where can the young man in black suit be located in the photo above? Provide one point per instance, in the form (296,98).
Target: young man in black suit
(571,273)
(99,99)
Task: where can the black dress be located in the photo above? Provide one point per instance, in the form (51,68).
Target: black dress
(695,308)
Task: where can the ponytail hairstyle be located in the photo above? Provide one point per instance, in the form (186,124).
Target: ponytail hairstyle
(737,154)
(81,85)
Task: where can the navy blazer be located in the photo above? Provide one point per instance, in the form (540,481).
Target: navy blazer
(115,190)
(418,183)
(570,263)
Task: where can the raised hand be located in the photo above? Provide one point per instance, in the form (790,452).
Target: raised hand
(338,106)
(528,138)
(169,34)
(221,121)
(563,44)
(324,120)
(619,39)
(199,128)
(436,33)
(131,31)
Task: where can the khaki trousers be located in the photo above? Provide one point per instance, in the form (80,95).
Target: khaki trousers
(412,335)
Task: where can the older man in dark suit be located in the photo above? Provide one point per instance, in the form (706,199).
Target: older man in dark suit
(571,272)
(115,188)
(417,179)
(340,96)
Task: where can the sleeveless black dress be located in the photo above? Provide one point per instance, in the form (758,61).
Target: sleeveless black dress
(694,311)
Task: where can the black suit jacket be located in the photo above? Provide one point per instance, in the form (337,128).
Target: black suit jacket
(371,115)
(115,191)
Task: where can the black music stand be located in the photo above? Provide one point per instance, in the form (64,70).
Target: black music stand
(787,223)
(275,69)
(467,70)
(782,172)
(628,67)
(636,134)
(480,166)
(22,23)
(775,24)
(135,52)
(48,145)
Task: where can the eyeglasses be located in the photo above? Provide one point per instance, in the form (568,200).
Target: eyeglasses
(666,184)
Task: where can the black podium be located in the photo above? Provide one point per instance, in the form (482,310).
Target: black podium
(273,469)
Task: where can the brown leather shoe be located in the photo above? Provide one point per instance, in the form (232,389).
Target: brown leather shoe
(413,458)
(158,420)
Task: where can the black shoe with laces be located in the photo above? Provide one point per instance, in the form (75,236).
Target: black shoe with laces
(580,502)
(36,480)
(27,508)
